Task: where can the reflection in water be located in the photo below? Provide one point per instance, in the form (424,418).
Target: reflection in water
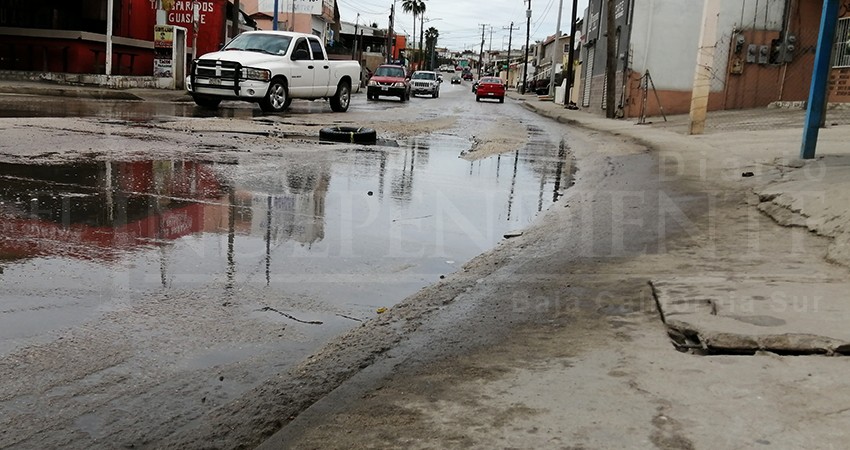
(513,185)
(559,170)
(179,224)
(93,209)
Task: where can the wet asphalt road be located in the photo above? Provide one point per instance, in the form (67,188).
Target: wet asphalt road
(140,292)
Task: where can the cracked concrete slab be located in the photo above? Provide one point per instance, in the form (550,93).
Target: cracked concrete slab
(731,315)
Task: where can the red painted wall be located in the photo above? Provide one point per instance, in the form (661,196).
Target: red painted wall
(139,18)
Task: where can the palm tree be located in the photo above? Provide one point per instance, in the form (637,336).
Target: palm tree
(417,7)
(431,44)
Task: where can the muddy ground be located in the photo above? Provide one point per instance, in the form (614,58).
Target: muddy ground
(550,340)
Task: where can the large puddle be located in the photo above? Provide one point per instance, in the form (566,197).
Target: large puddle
(175,286)
(359,230)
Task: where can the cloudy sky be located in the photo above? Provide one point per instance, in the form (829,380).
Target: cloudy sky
(459,21)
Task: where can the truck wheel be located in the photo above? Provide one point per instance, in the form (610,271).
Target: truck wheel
(206,102)
(277,98)
(340,101)
(435,94)
(352,135)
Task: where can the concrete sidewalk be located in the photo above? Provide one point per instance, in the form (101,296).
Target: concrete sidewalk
(793,313)
(50,89)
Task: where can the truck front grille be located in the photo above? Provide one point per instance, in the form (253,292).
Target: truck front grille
(223,70)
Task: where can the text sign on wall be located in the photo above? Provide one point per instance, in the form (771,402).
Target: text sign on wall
(209,16)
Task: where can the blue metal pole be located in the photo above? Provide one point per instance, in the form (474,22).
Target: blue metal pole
(274,16)
(820,77)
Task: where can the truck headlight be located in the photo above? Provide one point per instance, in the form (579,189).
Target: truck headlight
(373,83)
(257,74)
(399,84)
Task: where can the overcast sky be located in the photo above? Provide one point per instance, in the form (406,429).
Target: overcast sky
(459,21)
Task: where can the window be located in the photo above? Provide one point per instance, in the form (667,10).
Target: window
(841,51)
(301,44)
(316,47)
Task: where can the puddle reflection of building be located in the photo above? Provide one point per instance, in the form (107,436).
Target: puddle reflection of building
(96,209)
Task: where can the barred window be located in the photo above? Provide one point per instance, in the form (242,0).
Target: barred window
(841,51)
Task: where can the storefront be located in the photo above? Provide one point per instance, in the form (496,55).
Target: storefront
(70,35)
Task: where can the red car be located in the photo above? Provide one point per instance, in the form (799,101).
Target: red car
(490,87)
(389,80)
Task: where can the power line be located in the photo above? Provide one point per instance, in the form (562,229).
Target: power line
(359,9)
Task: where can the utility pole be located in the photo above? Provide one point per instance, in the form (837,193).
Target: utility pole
(527,36)
(510,34)
(555,47)
(705,60)
(354,46)
(816,107)
(234,27)
(571,57)
(490,48)
(481,52)
(274,14)
(292,22)
(390,34)
(610,62)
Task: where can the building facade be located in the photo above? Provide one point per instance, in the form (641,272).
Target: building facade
(764,53)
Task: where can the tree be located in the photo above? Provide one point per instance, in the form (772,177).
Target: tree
(417,7)
(431,44)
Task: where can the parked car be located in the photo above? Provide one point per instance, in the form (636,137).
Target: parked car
(490,87)
(455,79)
(389,80)
(425,82)
(268,67)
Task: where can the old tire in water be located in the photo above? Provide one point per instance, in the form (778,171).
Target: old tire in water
(206,102)
(351,135)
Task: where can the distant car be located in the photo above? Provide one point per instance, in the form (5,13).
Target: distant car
(391,80)
(455,79)
(458,68)
(490,87)
(425,82)
(467,75)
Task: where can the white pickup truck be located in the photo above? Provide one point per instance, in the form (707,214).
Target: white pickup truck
(272,68)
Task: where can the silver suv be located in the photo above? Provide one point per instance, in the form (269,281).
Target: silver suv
(425,82)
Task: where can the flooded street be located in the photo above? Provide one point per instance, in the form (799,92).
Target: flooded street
(162,262)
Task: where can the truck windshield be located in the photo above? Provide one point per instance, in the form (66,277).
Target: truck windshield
(264,43)
(424,76)
(389,72)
